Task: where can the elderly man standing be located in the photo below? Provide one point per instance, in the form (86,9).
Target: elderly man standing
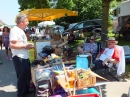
(110,54)
(20,47)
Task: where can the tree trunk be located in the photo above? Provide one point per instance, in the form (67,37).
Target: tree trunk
(105,14)
(41,3)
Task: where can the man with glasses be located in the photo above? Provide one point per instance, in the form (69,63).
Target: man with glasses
(89,47)
(110,54)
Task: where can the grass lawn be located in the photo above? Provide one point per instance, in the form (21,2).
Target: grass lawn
(121,42)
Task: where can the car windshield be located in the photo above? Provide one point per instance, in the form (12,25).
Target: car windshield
(71,25)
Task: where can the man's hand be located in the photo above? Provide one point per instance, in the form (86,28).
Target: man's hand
(29,46)
(105,61)
(97,59)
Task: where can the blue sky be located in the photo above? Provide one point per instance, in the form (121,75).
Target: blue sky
(8,11)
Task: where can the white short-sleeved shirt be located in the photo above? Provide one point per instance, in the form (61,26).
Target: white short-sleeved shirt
(107,54)
(1,33)
(17,34)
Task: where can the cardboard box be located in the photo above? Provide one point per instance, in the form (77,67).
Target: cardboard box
(58,51)
(56,37)
(53,42)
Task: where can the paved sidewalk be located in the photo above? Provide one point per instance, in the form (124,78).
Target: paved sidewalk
(8,82)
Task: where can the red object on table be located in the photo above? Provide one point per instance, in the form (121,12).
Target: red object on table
(86,95)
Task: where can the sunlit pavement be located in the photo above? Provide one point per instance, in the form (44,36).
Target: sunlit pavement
(8,82)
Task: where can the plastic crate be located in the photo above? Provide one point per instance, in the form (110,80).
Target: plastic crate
(86,95)
(87,91)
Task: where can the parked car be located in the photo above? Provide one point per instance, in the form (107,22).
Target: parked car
(58,29)
(85,26)
(69,27)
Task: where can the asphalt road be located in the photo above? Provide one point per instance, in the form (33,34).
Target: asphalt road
(8,78)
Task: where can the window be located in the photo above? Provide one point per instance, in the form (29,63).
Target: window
(86,24)
(79,25)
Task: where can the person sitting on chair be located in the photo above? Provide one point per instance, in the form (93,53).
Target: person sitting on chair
(110,54)
(71,37)
(89,47)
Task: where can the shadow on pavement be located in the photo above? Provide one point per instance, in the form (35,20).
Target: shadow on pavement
(7,94)
(109,77)
(7,77)
(124,95)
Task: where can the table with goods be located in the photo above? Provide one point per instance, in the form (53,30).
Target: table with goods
(55,72)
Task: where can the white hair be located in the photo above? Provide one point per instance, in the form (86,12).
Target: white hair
(20,17)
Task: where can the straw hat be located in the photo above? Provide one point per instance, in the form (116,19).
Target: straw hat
(112,39)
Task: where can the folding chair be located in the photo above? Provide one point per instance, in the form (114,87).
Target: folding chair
(98,50)
(120,67)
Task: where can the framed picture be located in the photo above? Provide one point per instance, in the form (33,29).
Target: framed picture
(39,46)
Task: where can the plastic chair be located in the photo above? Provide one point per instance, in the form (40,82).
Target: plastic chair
(98,50)
(120,67)
(126,51)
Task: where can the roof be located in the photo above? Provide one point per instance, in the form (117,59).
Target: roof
(1,22)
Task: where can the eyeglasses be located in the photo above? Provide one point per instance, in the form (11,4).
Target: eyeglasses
(91,39)
(110,42)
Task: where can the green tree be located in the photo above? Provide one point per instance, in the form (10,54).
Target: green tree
(28,4)
(88,9)
(65,4)
(105,14)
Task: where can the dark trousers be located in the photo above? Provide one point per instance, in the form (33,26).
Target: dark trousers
(22,67)
(98,65)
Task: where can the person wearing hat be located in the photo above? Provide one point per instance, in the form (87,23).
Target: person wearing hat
(89,47)
(110,54)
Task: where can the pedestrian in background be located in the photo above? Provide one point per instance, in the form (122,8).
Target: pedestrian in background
(1,38)
(1,41)
(5,40)
(20,47)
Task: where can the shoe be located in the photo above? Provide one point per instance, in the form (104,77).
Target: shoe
(7,57)
(10,58)
(93,69)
